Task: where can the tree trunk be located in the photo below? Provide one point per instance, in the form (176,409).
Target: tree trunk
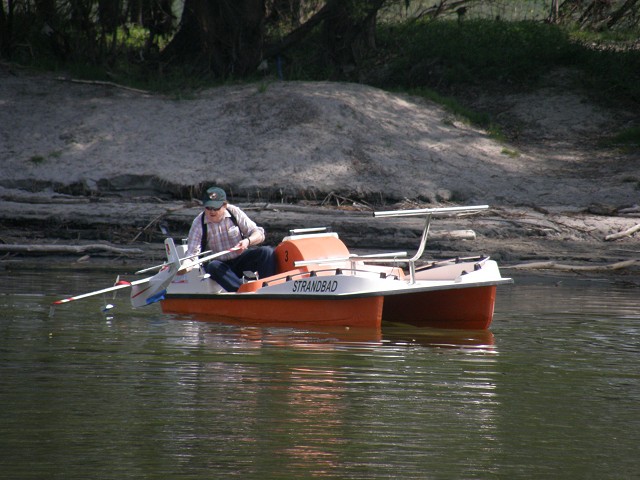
(5,30)
(298,34)
(227,34)
(621,12)
(349,30)
(288,12)
(554,12)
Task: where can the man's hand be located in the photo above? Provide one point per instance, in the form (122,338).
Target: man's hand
(243,244)
(187,266)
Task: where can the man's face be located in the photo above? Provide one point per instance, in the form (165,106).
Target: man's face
(214,215)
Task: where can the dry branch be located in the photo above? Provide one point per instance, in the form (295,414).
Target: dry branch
(454,235)
(550,265)
(629,210)
(158,218)
(103,83)
(626,233)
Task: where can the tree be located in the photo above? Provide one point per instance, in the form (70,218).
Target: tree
(350,30)
(5,29)
(627,9)
(228,36)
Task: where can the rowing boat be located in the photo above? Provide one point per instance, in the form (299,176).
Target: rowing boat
(320,282)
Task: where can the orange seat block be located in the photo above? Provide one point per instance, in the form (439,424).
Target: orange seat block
(308,248)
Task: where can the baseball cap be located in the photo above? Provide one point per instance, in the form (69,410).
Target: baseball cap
(214,197)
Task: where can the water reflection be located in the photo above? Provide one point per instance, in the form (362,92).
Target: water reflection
(146,395)
(311,336)
(310,397)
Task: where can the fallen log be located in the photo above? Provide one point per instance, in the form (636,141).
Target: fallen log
(550,265)
(629,210)
(454,235)
(48,249)
(625,233)
(103,83)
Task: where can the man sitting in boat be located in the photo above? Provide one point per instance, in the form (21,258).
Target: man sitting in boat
(222,226)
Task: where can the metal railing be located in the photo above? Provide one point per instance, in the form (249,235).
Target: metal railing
(428,213)
(396,257)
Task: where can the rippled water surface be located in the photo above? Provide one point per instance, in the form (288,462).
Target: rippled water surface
(552,391)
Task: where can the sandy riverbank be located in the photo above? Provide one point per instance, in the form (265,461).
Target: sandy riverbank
(83,163)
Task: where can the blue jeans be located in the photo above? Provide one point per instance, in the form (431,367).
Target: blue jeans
(229,273)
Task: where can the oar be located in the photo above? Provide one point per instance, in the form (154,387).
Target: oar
(120,285)
(157,284)
(144,270)
(215,255)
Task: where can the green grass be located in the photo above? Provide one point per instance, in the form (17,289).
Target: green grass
(37,159)
(453,106)
(628,140)
(444,60)
(510,153)
(474,52)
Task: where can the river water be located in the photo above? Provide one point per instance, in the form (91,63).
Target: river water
(552,391)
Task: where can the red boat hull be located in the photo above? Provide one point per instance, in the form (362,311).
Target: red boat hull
(348,312)
(463,308)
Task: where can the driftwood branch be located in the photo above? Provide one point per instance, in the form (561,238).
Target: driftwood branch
(38,199)
(103,83)
(550,265)
(454,235)
(67,249)
(541,224)
(158,218)
(626,233)
(629,210)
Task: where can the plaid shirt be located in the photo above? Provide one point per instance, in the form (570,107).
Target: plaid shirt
(224,235)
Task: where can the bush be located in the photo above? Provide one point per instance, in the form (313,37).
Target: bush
(478,51)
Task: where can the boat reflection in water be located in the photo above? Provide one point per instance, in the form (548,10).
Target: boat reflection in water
(475,340)
(310,336)
(310,388)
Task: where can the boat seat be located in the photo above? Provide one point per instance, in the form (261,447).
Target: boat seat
(308,247)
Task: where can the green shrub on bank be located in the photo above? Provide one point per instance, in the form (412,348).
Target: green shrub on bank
(614,74)
(444,56)
(450,53)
